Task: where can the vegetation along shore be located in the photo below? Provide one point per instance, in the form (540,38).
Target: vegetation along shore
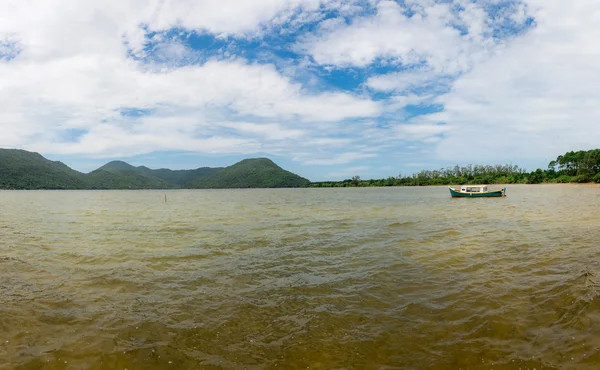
(572,167)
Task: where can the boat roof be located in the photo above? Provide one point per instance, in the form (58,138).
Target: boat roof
(473,186)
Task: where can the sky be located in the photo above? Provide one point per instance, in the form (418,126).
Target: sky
(328,89)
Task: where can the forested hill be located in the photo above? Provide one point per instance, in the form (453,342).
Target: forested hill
(572,167)
(20,169)
(176,178)
(251,173)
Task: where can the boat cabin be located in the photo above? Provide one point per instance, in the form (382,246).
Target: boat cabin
(474,189)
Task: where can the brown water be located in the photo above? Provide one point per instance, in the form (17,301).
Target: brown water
(378,278)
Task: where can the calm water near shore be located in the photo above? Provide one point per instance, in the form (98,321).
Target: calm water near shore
(362,278)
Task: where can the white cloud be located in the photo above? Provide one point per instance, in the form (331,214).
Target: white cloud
(428,36)
(400,81)
(341,158)
(420,131)
(58,28)
(427,47)
(327,142)
(235,17)
(419,78)
(69,70)
(328,107)
(535,100)
(269,131)
(349,172)
(397,102)
(114,141)
(65,69)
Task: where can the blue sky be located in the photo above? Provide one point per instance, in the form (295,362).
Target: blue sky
(328,89)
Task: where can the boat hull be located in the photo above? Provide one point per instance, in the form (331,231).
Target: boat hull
(489,194)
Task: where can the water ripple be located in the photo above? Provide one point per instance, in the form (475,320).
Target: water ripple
(320,278)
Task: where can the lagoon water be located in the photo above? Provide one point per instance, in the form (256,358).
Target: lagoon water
(369,278)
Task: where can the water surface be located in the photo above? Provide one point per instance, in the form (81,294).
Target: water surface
(375,278)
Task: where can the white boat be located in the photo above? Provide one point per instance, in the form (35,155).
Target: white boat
(476,191)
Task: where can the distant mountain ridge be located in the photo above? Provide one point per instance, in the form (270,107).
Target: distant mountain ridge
(176,178)
(20,169)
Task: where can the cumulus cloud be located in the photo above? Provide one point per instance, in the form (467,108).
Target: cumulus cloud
(429,43)
(237,17)
(535,100)
(430,35)
(509,80)
(422,79)
(68,65)
(420,131)
(349,172)
(84,92)
(343,158)
(56,28)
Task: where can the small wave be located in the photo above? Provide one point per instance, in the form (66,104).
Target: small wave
(404,224)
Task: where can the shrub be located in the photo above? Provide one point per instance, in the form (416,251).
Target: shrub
(581,179)
(563,179)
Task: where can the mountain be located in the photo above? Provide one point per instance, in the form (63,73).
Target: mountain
(20,169)
(101,179)
(182,178)
(176,178)
(248,173)
(117,166)
(251,173)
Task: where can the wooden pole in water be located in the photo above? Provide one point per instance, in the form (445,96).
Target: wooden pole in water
(165,198)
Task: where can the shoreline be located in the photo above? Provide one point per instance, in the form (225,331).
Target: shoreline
(456,185)
(508,186)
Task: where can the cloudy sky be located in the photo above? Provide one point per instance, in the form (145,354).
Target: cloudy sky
(326,88)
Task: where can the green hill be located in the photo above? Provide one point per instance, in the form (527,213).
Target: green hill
(102,179)
(250,173)
(20,169)
(175,178)
(184,177)
(117,166)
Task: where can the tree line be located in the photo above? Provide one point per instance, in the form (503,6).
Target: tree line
(571,167)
